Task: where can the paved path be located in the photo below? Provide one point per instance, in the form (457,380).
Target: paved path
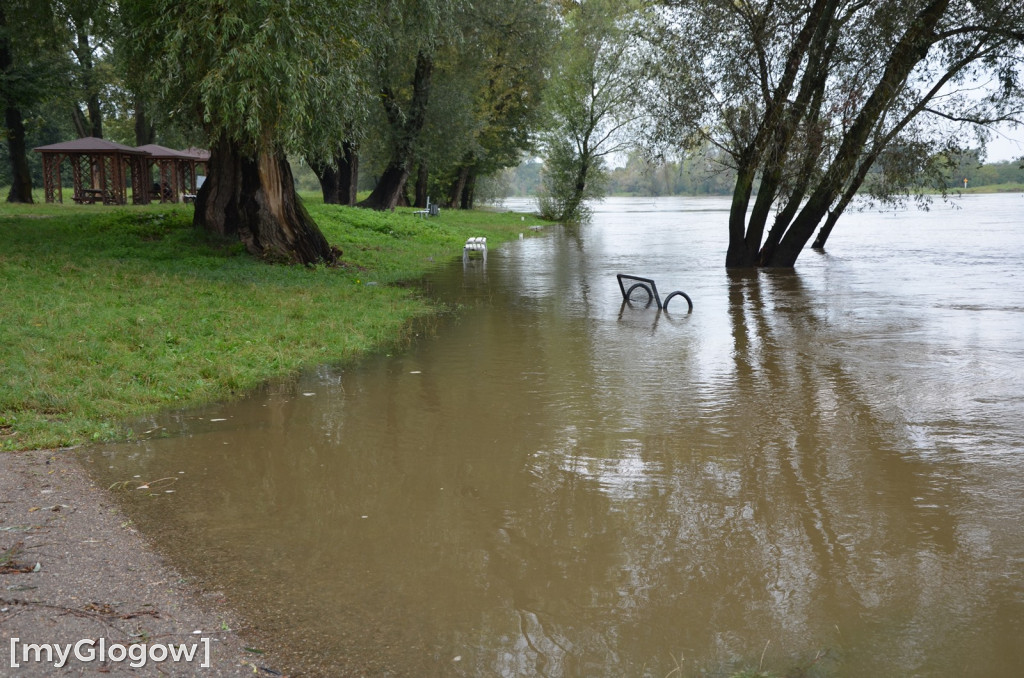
(97,579)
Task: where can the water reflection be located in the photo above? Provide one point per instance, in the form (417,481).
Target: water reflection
(816,470)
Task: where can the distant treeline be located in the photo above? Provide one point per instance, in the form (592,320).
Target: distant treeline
(703,175)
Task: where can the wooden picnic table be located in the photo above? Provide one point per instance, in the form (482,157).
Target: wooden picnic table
(89,196)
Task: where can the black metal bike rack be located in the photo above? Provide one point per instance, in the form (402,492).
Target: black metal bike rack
(647,285)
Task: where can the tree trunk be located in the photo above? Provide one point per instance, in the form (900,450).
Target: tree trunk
(422,175)
(739,255)
(21,178)
(467,193)
(329,181)
(338,181)
(78,119)
(390,190)
(572,211)
(348,174)
(252,197)
(145,130)
(83,52)
(457,187)
(826,230)
(911,49)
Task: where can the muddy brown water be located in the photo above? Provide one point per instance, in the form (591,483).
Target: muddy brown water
(820,471)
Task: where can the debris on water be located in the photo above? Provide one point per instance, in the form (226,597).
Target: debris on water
(416,372)
(308,394)
(218,420)
(143,485)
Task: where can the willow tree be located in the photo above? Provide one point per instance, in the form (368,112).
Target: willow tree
(253,74)
(815,100)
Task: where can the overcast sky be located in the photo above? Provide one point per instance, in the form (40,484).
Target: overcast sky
(1008,146)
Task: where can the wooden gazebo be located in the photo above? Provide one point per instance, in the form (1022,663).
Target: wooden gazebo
(100,171)
(173,167)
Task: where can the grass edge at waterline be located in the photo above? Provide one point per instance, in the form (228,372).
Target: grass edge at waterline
(113,313)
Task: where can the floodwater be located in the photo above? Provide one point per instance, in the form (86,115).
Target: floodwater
(817,472)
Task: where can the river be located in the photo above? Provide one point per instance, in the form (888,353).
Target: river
(819,471)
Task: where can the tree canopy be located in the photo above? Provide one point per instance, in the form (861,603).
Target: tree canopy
(807,103)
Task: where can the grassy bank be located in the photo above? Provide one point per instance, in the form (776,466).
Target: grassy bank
(110,313)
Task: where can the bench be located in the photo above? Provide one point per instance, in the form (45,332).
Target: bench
(433,210)
(475,245)
(647,285)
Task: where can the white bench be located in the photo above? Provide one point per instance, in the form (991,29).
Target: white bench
(475,245)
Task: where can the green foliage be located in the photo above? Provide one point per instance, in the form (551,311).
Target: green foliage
(256,70)
(569,179)
(111,313)
(590,102)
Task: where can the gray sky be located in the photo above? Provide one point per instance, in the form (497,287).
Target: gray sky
(1006,146)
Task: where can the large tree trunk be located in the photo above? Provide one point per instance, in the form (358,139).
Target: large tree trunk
(21,179)
(739,254)
(390,189)
(145,130)
(794,227)
(348,174)
(911,49)
(328,176)
(252,197)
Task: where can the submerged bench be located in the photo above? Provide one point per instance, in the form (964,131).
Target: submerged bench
(638,284)
(475,245)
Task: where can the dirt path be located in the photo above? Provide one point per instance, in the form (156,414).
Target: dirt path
(73,569)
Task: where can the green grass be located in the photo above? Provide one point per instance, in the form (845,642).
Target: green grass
(112,313)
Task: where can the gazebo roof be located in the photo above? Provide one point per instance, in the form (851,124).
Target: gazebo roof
(162,152)
(89,145)
(196,153)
